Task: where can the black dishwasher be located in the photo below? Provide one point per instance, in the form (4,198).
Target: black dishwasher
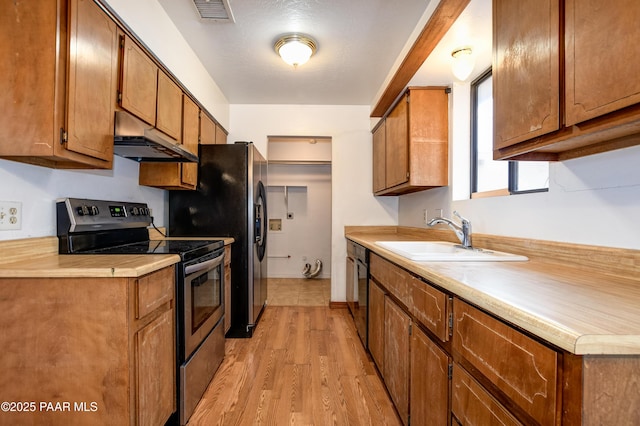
(358,287)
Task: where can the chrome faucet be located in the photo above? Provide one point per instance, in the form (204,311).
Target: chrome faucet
(463,231)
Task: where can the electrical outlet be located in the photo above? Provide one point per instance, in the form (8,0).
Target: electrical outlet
(10,215)
(425,216)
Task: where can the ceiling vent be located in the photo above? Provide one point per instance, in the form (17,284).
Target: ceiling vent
(214,10)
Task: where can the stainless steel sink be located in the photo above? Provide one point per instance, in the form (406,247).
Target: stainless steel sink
(441,251)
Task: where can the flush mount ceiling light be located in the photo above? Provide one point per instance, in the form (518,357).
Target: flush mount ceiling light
(295,49)
(463,63)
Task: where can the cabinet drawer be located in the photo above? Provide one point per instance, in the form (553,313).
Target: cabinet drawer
(523,369)
(472,405)
(430,307)
(396,280)
(154,290)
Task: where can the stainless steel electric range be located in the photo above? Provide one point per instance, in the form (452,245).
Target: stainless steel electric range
(116,227)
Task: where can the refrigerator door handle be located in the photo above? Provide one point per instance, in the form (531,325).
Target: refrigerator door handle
(259,224)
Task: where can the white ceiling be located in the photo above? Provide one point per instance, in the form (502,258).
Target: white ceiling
(359,41)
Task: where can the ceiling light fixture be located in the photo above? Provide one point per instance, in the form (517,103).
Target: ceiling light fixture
(295,49)
(463,63)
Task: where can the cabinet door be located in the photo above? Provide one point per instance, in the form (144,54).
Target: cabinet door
(207,130)
(526,64)
(473,405)
(525,370)
(169,107)
(376,324)
(379,162)
(92,80)
(431,307)
(139,82)
(397,144)
(221,137)
(429,381)
(190,135)
(396,356)
(602,57)
(155,370)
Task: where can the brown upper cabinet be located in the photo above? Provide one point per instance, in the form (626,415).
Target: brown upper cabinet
(169,107)
(58,96)
(147,92)
(177,175)
(410,144)
(210,132)
(139,82)
(565,78)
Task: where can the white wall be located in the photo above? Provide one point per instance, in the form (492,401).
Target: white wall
(349,127)
(306,236)
(592,200)
(37,187)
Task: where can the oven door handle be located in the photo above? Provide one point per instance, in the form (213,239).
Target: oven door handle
(206,265)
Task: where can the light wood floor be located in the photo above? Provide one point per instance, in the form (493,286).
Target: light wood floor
(298,291)
(303,366)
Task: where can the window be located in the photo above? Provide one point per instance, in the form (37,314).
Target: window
(498,177)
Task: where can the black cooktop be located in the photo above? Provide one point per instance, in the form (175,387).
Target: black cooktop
(187,249)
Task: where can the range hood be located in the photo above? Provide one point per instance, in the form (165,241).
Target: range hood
(137,140)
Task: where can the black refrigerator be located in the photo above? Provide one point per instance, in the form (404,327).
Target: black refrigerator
(230,201)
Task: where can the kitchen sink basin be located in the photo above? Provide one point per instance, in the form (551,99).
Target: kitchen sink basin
(441,251)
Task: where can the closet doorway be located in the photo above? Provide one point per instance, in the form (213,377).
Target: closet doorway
(299,200)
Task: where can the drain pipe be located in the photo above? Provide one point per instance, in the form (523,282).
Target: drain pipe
(308,273)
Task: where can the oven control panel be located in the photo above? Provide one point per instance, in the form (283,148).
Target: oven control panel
(81,215)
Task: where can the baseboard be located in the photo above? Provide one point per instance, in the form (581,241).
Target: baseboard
(338,305)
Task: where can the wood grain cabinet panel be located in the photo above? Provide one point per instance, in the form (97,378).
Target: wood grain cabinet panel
(169,107)
(396,280)
(139,82)
(602,57)
(379,155)
(80,340)
(190,139)
(156,370)
(152,291)
(207,130)
(221,136)
(175,176)
(429,394)
(397,147)
(474,406)
(524,370)
(396,356)
(526,76)
(431,307)
(565,78)
(376,324)
(410,145)
(59,87)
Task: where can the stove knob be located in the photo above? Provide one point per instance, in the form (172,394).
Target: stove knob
(83,210)
(94,211)
(135,211)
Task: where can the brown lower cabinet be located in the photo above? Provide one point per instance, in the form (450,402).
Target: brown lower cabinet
(414,367)
(78,351)
(396,356)
(429,382)
(445,361)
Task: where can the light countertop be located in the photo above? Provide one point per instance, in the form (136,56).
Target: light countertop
(578,310)
(39,258)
